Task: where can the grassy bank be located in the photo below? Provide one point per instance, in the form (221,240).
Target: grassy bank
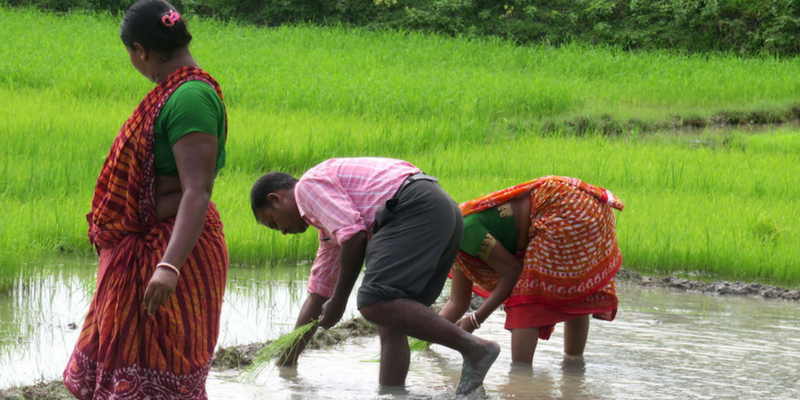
(470,112)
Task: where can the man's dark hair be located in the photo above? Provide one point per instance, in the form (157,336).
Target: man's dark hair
(269,183)
(155,25)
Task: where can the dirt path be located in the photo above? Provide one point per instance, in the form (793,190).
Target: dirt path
(240,357)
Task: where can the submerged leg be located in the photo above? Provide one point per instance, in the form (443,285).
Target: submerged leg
(575,333)
(395,357)
(414,319)
(523,344)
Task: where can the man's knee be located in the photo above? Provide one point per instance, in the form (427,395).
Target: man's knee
(369,312)
(391,336)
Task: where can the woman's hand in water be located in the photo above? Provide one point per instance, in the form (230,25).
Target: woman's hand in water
(466,324)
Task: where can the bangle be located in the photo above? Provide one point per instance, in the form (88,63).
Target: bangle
(170,266)
(474,320)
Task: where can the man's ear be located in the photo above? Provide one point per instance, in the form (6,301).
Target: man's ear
(274,199)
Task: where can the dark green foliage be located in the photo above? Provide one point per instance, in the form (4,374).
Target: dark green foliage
(72,5)
(743,27)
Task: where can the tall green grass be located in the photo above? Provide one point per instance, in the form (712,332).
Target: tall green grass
(722,203)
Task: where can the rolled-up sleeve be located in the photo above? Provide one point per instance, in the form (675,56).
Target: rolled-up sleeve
(325,270)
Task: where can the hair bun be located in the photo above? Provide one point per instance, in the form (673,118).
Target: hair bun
(170,18)
(155,25)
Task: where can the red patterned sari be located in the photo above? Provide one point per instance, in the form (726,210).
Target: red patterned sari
(571,257)
(122,353)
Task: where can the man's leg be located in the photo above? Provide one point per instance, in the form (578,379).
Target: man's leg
(395,357)
(414,319)
(310,311)
(412,249)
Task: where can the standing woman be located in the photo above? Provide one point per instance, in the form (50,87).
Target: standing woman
(153,323)
(547,250)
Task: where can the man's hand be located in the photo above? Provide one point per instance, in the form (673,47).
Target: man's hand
(309,312)
(351,258)
(332,312)
(161,286)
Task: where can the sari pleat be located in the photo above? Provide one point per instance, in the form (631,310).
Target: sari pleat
(571,258)
(122,353)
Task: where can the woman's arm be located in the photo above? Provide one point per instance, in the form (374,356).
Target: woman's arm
(460,297)
(195,156)
(508,268)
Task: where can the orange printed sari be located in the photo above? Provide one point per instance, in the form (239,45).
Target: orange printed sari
(571,257)
(122,353)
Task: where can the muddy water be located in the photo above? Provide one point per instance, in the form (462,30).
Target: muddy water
(663,345)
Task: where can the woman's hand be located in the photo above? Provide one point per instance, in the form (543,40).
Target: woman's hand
(466,324)
(160,288)
(508,269)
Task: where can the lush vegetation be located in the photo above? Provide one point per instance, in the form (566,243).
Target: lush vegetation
(743,27)
(479,114)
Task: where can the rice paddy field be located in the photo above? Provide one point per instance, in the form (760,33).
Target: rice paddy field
(713,203)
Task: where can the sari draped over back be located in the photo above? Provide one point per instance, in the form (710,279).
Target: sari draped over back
(122,353)
(570,260)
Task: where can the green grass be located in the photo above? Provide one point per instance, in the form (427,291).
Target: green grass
(467,111)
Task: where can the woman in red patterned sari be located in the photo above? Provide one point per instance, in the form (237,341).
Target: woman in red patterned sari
(545,249)
(153,322)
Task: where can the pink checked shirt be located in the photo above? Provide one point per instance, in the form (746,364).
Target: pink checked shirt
(340,197)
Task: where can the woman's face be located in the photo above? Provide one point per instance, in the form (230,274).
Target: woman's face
(138,58)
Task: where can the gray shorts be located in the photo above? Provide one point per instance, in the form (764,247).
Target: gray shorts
(416,236)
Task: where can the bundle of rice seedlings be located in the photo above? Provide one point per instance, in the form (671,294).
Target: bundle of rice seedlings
(280,346)
(418,345)
(414,345)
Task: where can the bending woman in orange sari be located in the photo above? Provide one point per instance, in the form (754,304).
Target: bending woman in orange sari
(545,249)
(153,323)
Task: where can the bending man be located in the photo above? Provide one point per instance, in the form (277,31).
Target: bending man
(406,228)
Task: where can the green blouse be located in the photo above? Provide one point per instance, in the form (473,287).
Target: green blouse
(483,229)
(194,107)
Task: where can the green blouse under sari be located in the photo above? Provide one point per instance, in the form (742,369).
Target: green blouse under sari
(484,229)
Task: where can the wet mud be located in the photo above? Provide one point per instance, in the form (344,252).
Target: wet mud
(239,357)
(53,390)
(609,126)
(243,355)
(721,288)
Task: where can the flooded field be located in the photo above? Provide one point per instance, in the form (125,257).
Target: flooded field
(663,345)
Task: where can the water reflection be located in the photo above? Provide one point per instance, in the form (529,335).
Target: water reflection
(663,345)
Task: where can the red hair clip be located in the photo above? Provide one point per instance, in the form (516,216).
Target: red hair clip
(169,19)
